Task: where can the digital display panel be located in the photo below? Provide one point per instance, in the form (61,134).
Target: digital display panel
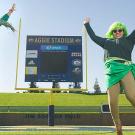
(53,59)
(53,62)
(54,48)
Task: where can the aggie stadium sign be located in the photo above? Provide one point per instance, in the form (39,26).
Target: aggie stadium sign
(54,59)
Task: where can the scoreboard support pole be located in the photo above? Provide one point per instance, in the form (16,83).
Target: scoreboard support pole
(51,113)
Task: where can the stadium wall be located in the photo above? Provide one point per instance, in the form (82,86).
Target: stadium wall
(96,119)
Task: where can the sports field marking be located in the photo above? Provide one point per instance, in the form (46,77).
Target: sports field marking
(64,128)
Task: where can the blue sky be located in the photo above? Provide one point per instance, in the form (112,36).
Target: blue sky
(59,17)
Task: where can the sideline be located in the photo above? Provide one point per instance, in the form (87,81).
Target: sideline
(63,128)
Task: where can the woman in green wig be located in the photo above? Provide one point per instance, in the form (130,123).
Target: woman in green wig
(119,69)
(4,18)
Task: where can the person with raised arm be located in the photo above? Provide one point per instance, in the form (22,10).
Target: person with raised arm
(119,68)
(5,17)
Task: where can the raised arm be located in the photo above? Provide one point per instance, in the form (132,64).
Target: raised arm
(99,40)
(131,37)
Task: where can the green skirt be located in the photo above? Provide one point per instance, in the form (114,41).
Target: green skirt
(115,71)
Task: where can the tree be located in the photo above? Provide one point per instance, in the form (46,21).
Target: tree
(96,87)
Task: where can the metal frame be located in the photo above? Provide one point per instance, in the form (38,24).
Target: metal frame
(50,89)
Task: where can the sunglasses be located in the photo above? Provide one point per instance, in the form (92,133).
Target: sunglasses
(118,30)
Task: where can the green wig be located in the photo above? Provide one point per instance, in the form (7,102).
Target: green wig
(114,26)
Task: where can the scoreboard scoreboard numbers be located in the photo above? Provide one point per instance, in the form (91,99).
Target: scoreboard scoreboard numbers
(53,59)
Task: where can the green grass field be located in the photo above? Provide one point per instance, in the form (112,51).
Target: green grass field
(58,99)
(64,130)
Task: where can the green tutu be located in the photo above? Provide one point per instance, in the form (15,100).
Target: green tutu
(115,71)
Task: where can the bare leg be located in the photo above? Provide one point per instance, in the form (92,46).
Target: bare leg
(113,98)
(129,85)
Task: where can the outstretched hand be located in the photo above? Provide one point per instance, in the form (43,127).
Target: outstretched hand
(13,7)
(86,20)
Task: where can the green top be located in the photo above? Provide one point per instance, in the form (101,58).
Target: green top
(5,17)
(121,48)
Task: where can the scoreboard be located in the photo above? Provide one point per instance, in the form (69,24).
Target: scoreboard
(53,59)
